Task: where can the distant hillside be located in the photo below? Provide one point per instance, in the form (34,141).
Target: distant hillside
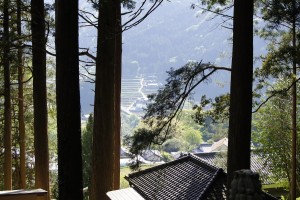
(170,37)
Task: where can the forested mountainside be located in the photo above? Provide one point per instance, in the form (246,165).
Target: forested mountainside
(168,38)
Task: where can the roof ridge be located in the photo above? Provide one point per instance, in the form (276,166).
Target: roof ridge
(181,159)
(157,167)
(210,183)
(204,162)
(181,171)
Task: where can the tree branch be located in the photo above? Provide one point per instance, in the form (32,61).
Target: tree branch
(274,93)
(86,53)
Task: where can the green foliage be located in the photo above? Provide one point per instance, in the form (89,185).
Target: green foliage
(169,99)
(87,139)
(142,139)
(279,12)
(128,4)
(212,132)
(218,109)
(193,138)
(273,133)
(277,63)
(167,157)
(184,136)
(221,160)
(163,111)
(210,4)
(54,185)
(23,40)
(124,171)
(279,17)
(185,117)
(173,145)
(129,123)
(213,115)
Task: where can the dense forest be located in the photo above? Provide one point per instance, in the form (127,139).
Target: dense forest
(43,143)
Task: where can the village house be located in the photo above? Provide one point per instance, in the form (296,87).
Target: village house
(188,178)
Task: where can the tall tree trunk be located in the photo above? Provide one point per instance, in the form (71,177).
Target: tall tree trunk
(103,155)
(241,89)
(294,112)
(68,101)
(40,95)
(7,100)
(118,78)
(22,183)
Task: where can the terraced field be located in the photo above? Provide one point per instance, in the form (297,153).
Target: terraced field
(131,91)
(134,93)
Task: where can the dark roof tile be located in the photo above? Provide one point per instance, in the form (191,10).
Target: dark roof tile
(186,178)
(259,164)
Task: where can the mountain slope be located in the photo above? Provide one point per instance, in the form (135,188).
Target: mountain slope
(169,37)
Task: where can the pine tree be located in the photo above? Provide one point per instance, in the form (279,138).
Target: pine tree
(283,58)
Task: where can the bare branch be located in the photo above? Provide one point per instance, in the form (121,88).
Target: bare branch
(26,81)
(218,13)
(88,21)
(90,80)
(155,5)
(86,53)
(88,72)
(166,110)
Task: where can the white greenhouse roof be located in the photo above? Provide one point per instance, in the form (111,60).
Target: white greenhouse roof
(124,194)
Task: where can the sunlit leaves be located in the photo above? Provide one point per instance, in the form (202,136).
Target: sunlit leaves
(164,107)
(272,131)
(217,109)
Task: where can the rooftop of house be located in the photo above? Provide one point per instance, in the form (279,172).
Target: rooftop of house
(219,144)
(152,152)
(188,177)
(259,164)
(124,153)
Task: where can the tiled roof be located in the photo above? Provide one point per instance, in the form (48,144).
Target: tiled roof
(186,178)
(259,164)
(217,145)
(152,155)
(124,153)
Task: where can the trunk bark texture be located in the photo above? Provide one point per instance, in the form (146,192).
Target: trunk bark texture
(104,142)
(241,89)
(118,78)
(293,189)
(68,101)
(7,100)
(22,183)
(40,95)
